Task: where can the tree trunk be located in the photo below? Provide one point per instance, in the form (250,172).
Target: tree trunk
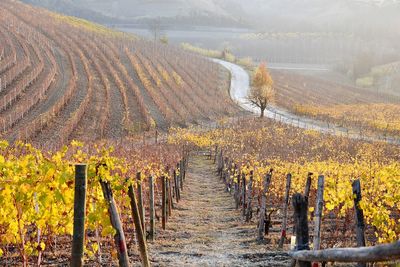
(262,113)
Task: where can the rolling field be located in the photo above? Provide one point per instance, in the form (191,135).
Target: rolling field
(63,78)
(365,110)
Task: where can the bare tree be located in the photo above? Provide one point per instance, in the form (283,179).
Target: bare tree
(156,28)
(262,92)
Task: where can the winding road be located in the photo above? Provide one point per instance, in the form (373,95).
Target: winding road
(240,86)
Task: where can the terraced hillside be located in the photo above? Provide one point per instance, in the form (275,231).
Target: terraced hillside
(64,78)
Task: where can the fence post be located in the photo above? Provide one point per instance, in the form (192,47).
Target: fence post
(119,237)
(249,211)
(79,215)
(236,188)
(176,182)
(219,162)
(261,225)
(140,201)
(359,215)
(318,212)
(180,175)
(216,153)
(308,186)
(222,166)
(243,194)
(300,205)
(170,200)
(138,227)
(285,209)
(152,232)
(164,202)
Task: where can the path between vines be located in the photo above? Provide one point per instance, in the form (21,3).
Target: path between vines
(206,230)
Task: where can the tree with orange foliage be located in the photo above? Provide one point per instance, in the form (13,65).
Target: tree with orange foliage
(261,92)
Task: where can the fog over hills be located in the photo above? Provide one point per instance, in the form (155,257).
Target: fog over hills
(263,15)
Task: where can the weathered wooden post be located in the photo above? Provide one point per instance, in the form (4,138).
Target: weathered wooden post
(249,210)
(216,153)
(285,210)
(306,195)
(308,186)
(152,210)
(184,165)
(318,212)
(300,205)
(236,188)
(261,224)
(164,203)
(170,200)
(180,175)
(140,200)
(138,227)
(177,187)
(222,165)
(243,195)
(359,216)
(119,237)
(78,239)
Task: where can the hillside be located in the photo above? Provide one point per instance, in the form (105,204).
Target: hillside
(271,15)
(64,78)
(171,12)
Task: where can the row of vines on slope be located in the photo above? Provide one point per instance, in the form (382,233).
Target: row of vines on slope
(158,85)
(254,148)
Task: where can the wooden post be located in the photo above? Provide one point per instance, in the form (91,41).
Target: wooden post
(300,205)
(140,201)
(138,227)
(243,195)
(308,186)
(176,187)
(228,178)
(184,165)
(119,237)
(306,195)
(164,203)
(373,254)
(318,212)
(152,232)
(222,165)
(359,216)
(285,209)
(79,215)
(180,175)
(219,163)
(261,224)
(237,193)
(249,210)
(169,197)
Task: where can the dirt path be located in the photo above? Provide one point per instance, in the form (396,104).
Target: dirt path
(206,230)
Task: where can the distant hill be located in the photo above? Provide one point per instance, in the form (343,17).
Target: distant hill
(272,15)
(70,8)
(174,12)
